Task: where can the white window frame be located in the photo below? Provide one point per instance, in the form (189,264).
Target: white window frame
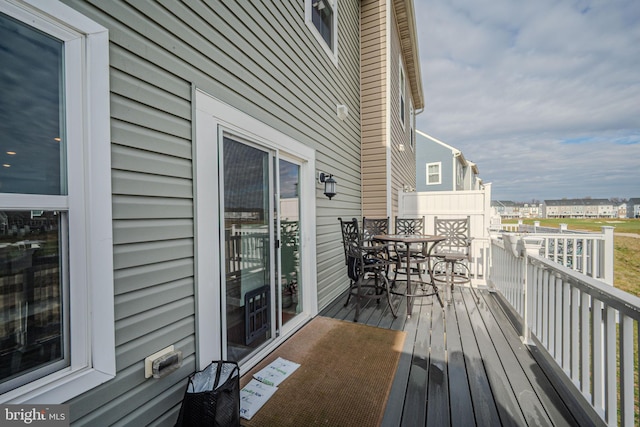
(88,203)
(402,92)
(213,118)
(439,164)
(331,52)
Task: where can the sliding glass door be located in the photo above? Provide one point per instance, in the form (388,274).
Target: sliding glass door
(248,235)
(262,286)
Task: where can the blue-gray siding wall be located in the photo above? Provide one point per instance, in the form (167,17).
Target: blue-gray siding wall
(258,57)
(428,151)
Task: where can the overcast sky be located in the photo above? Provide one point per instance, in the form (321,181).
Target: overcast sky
(544,96)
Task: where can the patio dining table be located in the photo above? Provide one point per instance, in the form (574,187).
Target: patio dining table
(408,240)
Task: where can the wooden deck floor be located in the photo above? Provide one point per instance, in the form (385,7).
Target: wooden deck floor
(465,366)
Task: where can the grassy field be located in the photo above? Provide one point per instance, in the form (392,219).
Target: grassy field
(626,267)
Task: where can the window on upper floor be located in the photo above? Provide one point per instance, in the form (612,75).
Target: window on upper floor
(434,173)
(56,268)
(401,91)
(459,175)
(321,17)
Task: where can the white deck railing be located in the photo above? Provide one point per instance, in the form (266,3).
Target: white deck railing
(586,325)
(590,253)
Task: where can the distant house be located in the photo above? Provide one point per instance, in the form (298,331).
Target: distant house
(506,209)
(622,209)
(441,167)
(579,208)
(160,182)
(633,207)
(509,210)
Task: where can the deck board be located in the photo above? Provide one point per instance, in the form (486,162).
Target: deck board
(462,365)
(438,384)
(459,390)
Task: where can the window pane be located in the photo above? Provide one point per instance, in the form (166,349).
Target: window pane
(31,315)
(247,222)
(31,111)
(322,17)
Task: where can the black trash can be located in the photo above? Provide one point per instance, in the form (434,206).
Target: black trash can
(212,397)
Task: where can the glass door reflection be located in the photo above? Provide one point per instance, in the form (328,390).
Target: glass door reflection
(291,289)
(248,256)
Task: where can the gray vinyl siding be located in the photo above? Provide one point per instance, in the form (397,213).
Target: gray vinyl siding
(432,152)
(264,61)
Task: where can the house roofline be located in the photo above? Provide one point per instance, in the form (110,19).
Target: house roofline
(406,21)
(454,150)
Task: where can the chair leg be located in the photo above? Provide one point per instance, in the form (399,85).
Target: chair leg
(358,300)
(388,292)
(350,293)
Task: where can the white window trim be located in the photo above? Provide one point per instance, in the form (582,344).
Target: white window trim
(332,53)
(439,173)
(213,117)
(92,330)
(402,92)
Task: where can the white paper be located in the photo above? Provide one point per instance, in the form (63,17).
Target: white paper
(276,372)
(253,396)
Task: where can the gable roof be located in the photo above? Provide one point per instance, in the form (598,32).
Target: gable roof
(437,141)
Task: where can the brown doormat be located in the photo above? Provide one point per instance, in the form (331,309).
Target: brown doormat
(344,379)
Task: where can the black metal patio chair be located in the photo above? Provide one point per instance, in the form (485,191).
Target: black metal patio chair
(367,265)
(409,226)
(452,256)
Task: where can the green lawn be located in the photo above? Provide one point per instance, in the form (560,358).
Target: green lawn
(626,269)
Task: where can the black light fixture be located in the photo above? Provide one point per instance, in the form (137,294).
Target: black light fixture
(329,184)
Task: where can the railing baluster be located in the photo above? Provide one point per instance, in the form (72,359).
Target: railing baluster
(595,257)
(626,371)
(597,349)
(534,300)
(551,305)
(611,401)
(585,347)
(558,319)
(566,328)
(575,335)
(545,309)
(538,299)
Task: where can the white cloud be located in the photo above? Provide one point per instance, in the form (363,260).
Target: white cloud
(508,81)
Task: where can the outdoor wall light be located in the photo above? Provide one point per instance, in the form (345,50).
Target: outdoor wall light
(342,111)
(329,184)
(401,147)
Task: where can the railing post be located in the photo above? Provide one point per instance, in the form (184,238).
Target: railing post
(536,224)
(607,255)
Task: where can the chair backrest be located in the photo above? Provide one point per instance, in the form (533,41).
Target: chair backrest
(351,241)
(374,226)
(410,225)
(457,232)
(350,235)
